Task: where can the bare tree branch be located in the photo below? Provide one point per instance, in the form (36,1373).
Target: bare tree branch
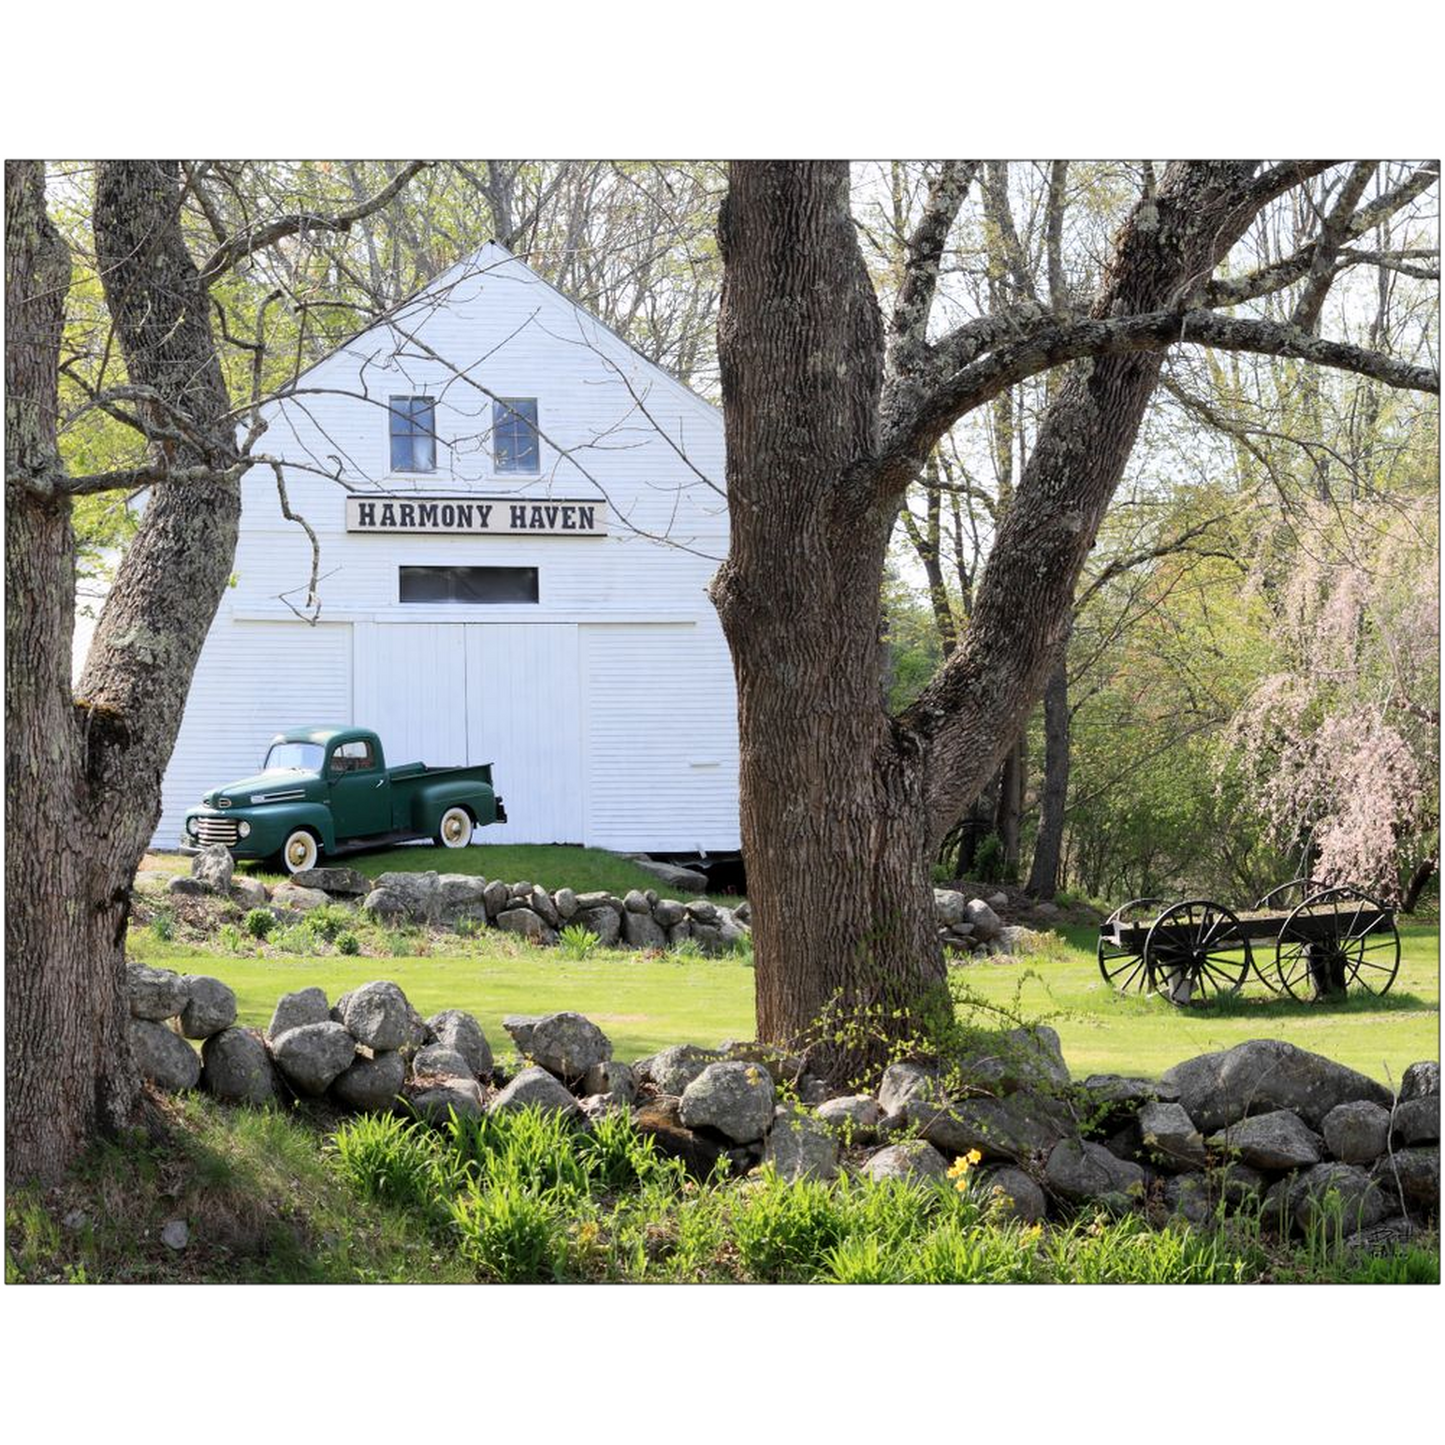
(254,238)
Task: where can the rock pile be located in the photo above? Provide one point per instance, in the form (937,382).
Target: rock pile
(1262,1125)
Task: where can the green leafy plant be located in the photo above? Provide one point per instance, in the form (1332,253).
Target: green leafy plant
(576,941)
(259,922)
(988,859)
(230,939)
(163,925)
(513,1234)
(348,943)
(392,1160)
(327,921)
(785,1229)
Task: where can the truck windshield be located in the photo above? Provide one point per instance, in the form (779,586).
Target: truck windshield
(295,757)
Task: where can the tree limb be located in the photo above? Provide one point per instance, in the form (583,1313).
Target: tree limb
(255,238)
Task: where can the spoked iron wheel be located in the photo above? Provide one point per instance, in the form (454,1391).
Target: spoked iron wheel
(1288,895)
(1123,968)
(1337,939)
(1197,952)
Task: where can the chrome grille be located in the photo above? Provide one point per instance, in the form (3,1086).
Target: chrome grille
(217,830)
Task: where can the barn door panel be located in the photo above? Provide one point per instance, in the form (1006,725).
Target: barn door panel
(524,717)
(411,688)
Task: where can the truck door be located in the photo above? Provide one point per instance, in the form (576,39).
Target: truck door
(360,791)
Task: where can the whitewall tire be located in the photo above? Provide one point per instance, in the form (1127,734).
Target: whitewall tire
(455,828)
(300,851)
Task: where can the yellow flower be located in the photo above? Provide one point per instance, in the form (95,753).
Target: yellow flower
(959,1168)
(974,1156)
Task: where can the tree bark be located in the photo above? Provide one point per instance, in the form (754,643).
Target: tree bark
(831,793)
(1423,872)
(818,458)
(1008,815)
(1049,845)
(84,773)
(67,1063)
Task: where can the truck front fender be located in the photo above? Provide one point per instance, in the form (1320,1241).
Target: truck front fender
(270,826)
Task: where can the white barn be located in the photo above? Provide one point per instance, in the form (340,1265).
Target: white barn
(518,517)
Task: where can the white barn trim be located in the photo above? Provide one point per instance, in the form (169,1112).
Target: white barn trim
(607,704)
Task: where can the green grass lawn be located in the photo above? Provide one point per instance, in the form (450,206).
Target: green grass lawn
(1105,1032)
(642,1002)
(645,1002)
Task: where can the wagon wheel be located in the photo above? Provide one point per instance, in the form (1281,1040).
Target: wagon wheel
(1123,968)
(1196,952)
(1288,895)
(1336,939)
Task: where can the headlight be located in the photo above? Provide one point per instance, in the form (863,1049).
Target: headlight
(191,827)
(244,829)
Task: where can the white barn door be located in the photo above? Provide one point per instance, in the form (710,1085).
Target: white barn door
(411,689)
(524,716)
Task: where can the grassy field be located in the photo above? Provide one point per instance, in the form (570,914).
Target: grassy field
(645,1001)
(1105,1032)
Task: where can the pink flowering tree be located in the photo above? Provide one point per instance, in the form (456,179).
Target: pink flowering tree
(1339,739)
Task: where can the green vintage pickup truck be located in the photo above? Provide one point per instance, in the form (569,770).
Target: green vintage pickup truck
(329,791)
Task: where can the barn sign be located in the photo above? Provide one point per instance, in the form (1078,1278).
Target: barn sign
(500,516)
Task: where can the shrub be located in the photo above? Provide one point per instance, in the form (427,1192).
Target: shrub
(347,943)
(513,1234)
(576,941)
(163,925)
(259,922)
(391,1160)
(988,859)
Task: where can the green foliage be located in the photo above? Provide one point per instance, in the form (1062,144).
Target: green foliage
(348,943)
(513,1235)
(230,939)
(259,922)
(329,920)
(389,1159)
(163,925)
(575,941)
(988,860)
(784,1230)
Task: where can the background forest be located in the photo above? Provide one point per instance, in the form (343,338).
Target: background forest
(1251,684)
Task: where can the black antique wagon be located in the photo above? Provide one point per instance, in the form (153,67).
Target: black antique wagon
(1325,939)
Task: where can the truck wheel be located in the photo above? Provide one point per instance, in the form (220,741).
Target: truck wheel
(455,828)
(300,851)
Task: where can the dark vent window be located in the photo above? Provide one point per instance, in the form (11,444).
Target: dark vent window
(468,584)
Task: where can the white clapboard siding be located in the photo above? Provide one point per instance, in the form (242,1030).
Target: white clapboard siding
(253,680)
(607,707)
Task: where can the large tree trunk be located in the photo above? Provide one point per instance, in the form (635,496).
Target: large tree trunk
(84,774)
(837,853)
(67,1065)
(831,795)
(1049,845)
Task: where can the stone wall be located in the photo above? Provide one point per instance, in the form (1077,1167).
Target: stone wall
(1262,1126)
(640,919)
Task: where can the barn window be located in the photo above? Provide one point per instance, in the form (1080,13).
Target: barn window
(468,584)
(514,434)
(413,434)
